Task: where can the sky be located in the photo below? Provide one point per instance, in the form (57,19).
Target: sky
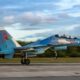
(30,20)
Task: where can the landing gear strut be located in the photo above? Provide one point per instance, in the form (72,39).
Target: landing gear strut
(24,59)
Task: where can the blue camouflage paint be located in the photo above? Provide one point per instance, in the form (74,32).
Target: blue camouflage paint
(6,46)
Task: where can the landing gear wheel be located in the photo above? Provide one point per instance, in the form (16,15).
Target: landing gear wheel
(22,61)
(25,61)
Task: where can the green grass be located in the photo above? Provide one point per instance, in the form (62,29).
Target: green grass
(53,60)
(43,60)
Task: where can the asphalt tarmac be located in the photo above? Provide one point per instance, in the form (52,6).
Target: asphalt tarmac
(39,70)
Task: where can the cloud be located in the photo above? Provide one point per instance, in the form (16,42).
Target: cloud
(76,14)
(39,34)
(35,18)
(28,19)
(72,27)
(8,19)
(68,30)
(76,31)
(39,20)
(67,4)
(28,35)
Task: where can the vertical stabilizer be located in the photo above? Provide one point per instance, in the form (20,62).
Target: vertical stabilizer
(7,43)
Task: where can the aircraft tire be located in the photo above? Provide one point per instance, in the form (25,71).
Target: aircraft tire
(25,61)
(22,61)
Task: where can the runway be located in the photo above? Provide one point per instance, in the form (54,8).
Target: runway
(39,70)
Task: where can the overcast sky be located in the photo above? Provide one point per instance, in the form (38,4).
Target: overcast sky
(37,19)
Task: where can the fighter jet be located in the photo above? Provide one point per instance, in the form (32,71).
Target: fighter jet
(53,42)
(8,46)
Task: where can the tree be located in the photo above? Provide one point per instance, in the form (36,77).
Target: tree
(73,51)
(22,43)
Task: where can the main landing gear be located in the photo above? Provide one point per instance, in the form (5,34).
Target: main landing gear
(24,59)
